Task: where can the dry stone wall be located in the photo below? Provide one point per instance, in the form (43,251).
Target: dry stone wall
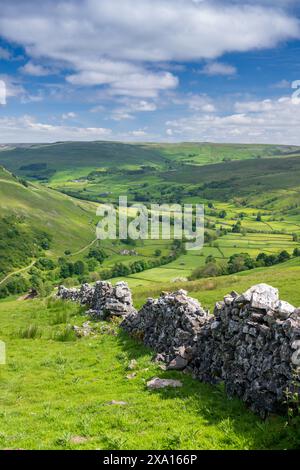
(169,325)
(103,300)
(251,343)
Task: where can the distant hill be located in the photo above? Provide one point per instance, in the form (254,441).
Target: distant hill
(44,161)
(271,183)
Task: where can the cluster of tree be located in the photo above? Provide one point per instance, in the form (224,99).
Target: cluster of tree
(79,268)
(18,285)
(240,262)
(98,254)
(69,269)
(120,269)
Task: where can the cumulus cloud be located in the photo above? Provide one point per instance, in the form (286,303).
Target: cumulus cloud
(4,54)
(28,129)
(35,70)
(196,102)
(264,121)
(282,84)
(130,106)
(12,85)
(118,44)
(138,133)
(218,68)
(69,115)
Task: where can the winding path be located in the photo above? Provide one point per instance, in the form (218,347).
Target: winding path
(83,249)
(18,271)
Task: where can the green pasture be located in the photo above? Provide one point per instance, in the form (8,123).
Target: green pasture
(56,391)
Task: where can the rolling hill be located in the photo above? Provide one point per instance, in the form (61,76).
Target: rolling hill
(37,209)
(63,159)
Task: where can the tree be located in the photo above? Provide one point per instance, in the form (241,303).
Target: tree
(261,259)
(92,264)
(222,214)
(67,270)
(210,259)
(210,270)
(98,254)
(157,253)
(79,267)
(240,262)
(237,228)
(45,264)
(283,256)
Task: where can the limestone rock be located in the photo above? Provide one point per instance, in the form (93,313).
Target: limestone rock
(261,296)
(103,300)
(119,403)
(168,323)
(179,363)
(284,309)
(157,383)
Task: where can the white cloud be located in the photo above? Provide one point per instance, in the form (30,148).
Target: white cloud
(69,115)
(35,70)
(266,121)
(97,109)
(138,133)
(218,68)
(195,102)
(13,87)
(143,106)
(282,84)
(117,44)
(28,129)
(254,106)
(121,115)
(129,106)
(4,54)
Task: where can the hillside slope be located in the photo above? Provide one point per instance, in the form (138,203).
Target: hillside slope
(68,222)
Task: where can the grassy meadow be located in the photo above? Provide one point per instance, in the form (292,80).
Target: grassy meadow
(56,389)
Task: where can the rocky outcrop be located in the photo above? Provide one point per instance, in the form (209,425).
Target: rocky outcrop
(103,300)
(251,343)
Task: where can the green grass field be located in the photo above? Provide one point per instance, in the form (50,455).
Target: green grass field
(56,389)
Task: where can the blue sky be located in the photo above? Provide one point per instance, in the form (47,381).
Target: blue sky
(149,70)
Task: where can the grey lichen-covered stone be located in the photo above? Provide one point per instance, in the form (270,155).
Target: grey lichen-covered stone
(103,300)
(248,345)
(169,324)
(261,296)
(178,363)
(284,309)
(157,383)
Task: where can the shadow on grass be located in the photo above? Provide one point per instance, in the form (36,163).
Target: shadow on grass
(211,403)
(134,348)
